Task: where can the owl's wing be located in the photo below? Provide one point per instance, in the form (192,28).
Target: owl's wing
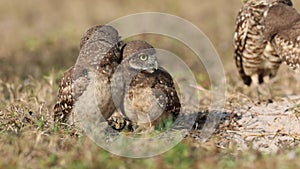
(288,47)
(65,98)
(166,84)
(242,26)
(66,94)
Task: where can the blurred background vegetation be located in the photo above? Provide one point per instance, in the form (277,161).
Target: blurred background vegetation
(40,39)
(40,36)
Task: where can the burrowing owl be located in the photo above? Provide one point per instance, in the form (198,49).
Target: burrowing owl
(99,54)
(255,57)
(144,92)
(283,31)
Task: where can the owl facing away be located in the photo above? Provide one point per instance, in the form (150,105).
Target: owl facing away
(256,59)
(99,54)
(143,91)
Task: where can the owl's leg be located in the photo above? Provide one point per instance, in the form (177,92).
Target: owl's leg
(267,86)
(255,84)
(73,118)
(263,92)
(149,120)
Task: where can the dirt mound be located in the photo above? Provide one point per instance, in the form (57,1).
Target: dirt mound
(264,127)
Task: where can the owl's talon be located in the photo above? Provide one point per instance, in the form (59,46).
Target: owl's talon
(117,123)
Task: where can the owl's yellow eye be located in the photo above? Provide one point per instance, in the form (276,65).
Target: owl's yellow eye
(143,57)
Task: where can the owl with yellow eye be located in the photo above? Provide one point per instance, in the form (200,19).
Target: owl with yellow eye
(142,91)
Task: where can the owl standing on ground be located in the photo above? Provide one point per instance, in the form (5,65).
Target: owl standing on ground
(283,31)
(255,57)
(99,54)
(144,92)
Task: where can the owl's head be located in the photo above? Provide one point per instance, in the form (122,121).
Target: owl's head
(100,32)
(140,55)
(258,2)
(276,20)
(286,2)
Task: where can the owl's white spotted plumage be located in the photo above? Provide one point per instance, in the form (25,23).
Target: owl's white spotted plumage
(144,92)
(255,57)
(100,55)
(65,98)
(283,31)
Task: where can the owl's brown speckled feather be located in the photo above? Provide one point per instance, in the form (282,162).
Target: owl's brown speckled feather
(255,56)
(100,54)
(144,92)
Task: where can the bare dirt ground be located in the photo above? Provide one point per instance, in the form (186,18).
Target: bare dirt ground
(267,127)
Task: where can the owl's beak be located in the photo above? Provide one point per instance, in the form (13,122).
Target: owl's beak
(154,67)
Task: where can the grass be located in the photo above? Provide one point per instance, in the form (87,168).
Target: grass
(38,44)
